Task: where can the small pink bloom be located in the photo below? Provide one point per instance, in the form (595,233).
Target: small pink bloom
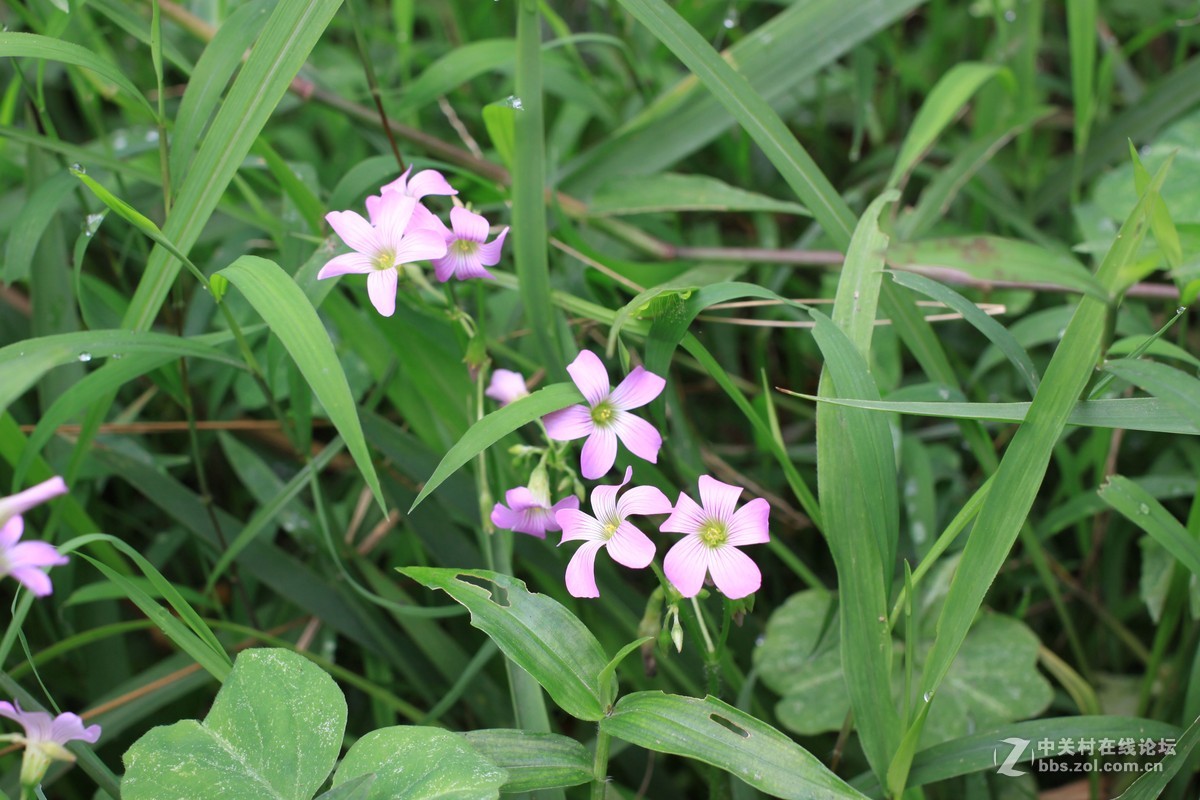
(44,739)
(425,182)
(467,251)
(609,529)
(34,496)
(714,532)
(606,416)
(380,248)
(27,561)
(530,512)
(506,386)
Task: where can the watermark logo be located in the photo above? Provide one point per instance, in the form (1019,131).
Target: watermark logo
(1018,749)
(1088,754)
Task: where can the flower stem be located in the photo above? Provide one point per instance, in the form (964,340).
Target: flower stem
(710,649)
(600,766)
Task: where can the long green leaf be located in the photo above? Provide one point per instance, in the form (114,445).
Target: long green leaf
(1178,390)
(31,45)
(1139,507)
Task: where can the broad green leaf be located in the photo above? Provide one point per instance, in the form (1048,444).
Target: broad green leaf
(1139,507)
(356,789)
(31,45)
(1178,390)
(536,632)
(501,422)
(942,105)
(274,732)
(291,317)
(533,760)
(674,192)
(716,733)
(993,260)
(420,764)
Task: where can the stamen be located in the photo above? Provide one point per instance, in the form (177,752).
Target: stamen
(713,533)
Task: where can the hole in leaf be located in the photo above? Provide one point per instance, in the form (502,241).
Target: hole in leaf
(498,593)
(724,723)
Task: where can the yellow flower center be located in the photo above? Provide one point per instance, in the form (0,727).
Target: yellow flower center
(463,247)
(602,412)
(713,533)
(610,528)
(386,259)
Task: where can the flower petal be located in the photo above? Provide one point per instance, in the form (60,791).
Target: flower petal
(589,374)
(34,554)
(643,500)
(638,388)
(428,181)
(69,727)
(350,263)
(354,231)
(640,437)
(33,496)
(468,225)
(392,217)
(381,286)
(504,517)
(630,547)
(399,185)
(734,573)
(599,453)
(420,245)
(566,504)
(686,564)
(569,423)
(521,498)
(506,386)
(373,204)
(719,499)
(489,253)
(687,517)
(578,526)
(10,532)
(423,218)
(749,524)
(581,571)
(35,580)
(604,498)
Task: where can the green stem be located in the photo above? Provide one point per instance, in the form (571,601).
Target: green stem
(600,766)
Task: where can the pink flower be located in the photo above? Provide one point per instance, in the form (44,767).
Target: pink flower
(425,182)
(27,561)
(529,511)
(44,739)
(506,386)
(467,251)
(380,248)
(714,534)
(606,417)
(609,529)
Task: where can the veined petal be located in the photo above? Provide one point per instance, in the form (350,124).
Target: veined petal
(686,564)
(599,453)
(749,524)
(504,517)
(568,503)
(422,217)
(638,388)
(630,547)
(734,572)
(687,517)
(373,204)
(569,423)
(489,253)
(354,231)
(399,185)
(469,225)
(470,268)
(349,263)
(642,438)
(589,374)
(381,287)
(392,218)
(521,498)
(719,499)
(581,571)
(578,526)
(535,522)
(643,500)
(445,267)
(69,727)
(428,181)
(604,498)
(420,245)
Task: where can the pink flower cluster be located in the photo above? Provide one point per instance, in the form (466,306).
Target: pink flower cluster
(713,530)
(400,230)
(28,561)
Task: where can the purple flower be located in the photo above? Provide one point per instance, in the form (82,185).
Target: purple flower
(606,416)
(714,532)
(44,739)
(529,511)
(467,251)
(380,248)
(27,561)
(609,529)
(506,386)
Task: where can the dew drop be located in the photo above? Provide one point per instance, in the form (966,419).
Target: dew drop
(1181,309)
(151,136)
(1010,16)
(944,393)
(85,357)
(731,19)
(117,356)
(1143,508)
(514,102)
(928,696)
(120,141)
(78,168)
(92,224)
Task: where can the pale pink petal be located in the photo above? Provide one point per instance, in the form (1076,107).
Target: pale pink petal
(521,498)
(423,218)
(630,547)
(749,524)
(69,727)
(719,499)
(638,388)
(589,374)
(504,517)
(604,498)
(642,438)
(346,264)
(445,267)
(581,571)
(569,423)
(420,245)
(489,253)
(428,181)
(468,225)
(33,496)
(35,580)
(506,386)
(391,219)
(469,267)
(568,503)
(33,554)
(535,522)
(354,231)
(578,526)
(10,532)
(686,564)
(599,453)
(381,287)
(399,185)
(373,204)
(643,500)
(9,711)
(734,573)
(687,517)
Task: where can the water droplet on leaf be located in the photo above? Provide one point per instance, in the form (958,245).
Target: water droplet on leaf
(514,102)
(85,357)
